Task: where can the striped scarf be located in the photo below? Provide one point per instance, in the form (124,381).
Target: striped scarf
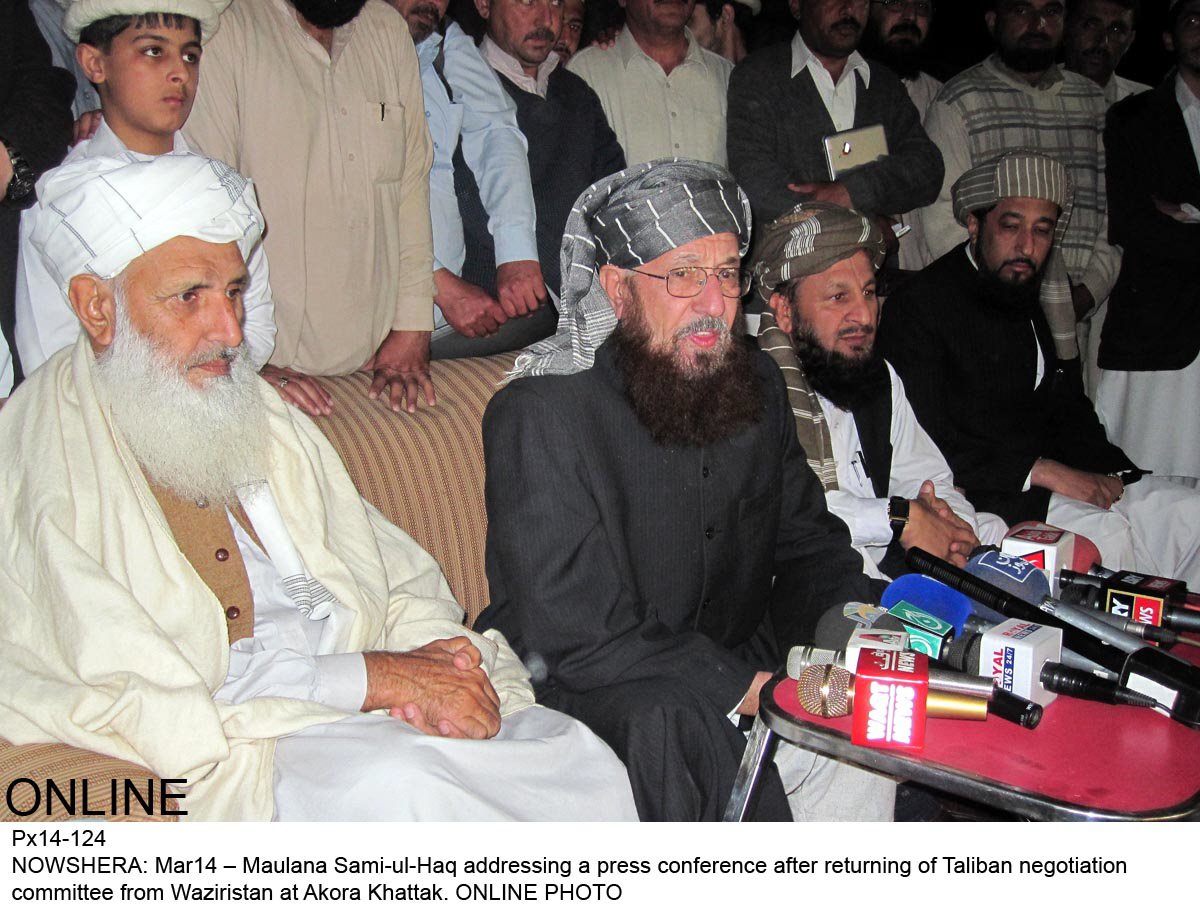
(628,219)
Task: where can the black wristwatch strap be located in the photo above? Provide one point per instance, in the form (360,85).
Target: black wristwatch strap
(20,187)
(897,515)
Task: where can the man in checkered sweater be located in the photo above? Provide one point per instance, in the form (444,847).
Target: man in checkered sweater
(1020,98)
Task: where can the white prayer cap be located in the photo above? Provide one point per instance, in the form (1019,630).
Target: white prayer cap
(82,13)
(98,214)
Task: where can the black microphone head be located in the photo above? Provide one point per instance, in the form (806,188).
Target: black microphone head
(834,629)
(958,655)
(1013,708)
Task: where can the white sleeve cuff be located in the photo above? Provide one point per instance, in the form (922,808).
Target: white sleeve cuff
(341,681)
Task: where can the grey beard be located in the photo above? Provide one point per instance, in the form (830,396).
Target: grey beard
(199,443)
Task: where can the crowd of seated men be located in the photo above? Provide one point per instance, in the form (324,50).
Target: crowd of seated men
(788,293)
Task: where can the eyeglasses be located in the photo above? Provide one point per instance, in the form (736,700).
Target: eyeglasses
(687,282)
(922,8)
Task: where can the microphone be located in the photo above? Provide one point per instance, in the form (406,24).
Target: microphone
(1170,680)
(1050,548)
(828,691)
(1024,580)
(839,641)
(888,697)
(801,658)
(1072,683)
(1153,600)
(1047,547)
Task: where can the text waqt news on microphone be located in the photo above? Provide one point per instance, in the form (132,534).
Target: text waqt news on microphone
(99,866)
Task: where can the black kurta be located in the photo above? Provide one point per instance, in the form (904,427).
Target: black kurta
(645,586)
(969,372)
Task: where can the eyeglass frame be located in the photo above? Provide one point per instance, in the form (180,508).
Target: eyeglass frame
(745,279)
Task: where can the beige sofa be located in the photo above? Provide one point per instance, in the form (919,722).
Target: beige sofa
(423,471)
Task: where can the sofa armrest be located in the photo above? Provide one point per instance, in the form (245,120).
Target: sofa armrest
(26,769)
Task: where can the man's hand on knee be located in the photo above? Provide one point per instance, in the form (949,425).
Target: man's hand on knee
(1098,489)
(439,688)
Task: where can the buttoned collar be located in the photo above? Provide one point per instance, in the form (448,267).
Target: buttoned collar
(804,59)
(628,48)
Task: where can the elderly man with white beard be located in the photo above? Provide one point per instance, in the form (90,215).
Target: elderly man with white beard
(189,579)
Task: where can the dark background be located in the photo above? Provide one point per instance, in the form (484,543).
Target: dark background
(959,37)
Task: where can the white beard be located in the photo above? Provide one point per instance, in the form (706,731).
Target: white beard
(200,443)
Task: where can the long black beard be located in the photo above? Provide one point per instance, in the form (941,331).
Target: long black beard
(906,60)
(328,14)
(847,382)
(1019,302)
(684,408)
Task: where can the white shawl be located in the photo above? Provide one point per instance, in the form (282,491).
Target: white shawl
(110,641)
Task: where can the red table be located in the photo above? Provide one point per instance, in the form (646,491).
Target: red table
(1086,761)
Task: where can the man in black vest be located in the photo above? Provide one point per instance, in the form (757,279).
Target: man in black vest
(786,98)
(882,474)
(656,542)
(570,142)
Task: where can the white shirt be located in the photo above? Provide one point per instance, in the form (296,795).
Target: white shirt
(921,89)
(280,659)
(655,114)
(510,68)
(915,459)
(6,368)
(840,97)
(45,321)
(1120,88)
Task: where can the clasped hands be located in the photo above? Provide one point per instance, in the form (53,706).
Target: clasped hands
(440,689)
(934,527)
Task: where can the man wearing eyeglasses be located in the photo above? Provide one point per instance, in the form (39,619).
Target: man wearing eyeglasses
(656,541)
(1099,32)
(786,99)
(1020,98)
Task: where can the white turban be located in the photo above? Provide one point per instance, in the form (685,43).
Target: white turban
(82,13)
(96,215)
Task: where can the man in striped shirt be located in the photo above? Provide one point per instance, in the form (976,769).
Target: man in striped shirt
(1020,98)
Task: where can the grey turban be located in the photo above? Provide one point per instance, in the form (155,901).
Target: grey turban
(1027,173)
(628,219)
(99,214)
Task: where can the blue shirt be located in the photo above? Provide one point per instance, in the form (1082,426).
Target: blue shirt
(484,117)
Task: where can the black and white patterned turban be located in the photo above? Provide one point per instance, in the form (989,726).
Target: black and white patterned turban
(626,220)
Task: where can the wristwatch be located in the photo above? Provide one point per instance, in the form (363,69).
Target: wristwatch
(23,179)
(897,515)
